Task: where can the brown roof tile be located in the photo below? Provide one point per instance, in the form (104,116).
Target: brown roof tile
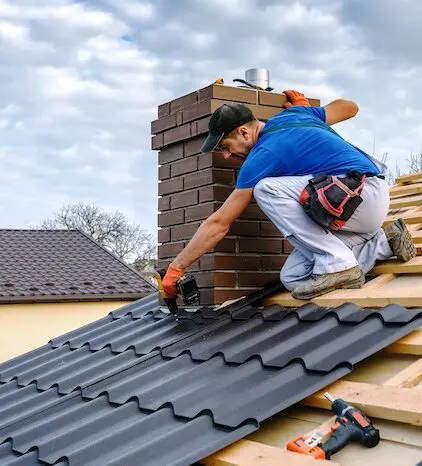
(63,265)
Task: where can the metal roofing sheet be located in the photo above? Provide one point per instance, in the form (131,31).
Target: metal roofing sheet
(232,393)
(203,382)
(322,338)
(93,433)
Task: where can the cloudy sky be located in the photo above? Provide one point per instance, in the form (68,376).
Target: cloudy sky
(81,82)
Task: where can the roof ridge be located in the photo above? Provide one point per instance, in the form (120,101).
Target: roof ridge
(117,258)
(52,230)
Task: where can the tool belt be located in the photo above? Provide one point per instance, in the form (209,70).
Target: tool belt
(331,200)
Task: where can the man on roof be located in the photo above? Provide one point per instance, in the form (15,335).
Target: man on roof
(328,198)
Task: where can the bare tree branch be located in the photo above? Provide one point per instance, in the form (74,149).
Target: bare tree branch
(129,242)
(415,162)
(414,165)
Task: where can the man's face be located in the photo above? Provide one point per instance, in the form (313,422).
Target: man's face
(237,144)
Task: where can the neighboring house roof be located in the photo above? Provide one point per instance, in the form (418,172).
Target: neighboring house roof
(137,387)
(63,265)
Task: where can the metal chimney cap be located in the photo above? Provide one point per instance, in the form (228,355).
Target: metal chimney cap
(258,76)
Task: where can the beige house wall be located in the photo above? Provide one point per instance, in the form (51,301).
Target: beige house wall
(24,327)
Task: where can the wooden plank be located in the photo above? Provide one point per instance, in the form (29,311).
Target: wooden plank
(410,218)
(395,432)
(411,177)
(417,237)
(405,290)
(407,378)
(397,267)
(248,453)
(391,403)
(287,300)
(410,344)
(414,227)
(411,201)
(378,282)
(406,190)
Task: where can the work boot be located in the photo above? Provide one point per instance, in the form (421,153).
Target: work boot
(400,240)
(324,283)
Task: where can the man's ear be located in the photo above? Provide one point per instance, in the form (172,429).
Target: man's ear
(243,131)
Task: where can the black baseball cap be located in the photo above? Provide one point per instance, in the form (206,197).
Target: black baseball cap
(223,121)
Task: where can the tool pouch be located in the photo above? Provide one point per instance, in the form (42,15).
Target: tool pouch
(330,200)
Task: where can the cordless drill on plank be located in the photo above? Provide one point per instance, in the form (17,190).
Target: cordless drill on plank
(351,425)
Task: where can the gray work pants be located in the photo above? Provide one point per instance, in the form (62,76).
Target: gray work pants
(318,251)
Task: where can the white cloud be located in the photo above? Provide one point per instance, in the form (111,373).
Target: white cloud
(13,33)
(137,10)
(81,82)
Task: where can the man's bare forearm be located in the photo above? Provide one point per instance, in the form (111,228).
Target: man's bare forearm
(340,110)
(206,237)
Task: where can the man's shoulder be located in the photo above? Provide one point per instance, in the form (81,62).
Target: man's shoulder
(297,113)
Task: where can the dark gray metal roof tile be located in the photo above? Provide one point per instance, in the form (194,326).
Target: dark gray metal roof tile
(82,333)
(298,336)
(21,403)
(71,369)
(273,312)
(82,367)
(9,458)
(11,368)
(144,334)
(139,308)
(213,386)
(95,433)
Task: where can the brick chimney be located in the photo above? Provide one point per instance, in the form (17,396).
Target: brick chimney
(193,185)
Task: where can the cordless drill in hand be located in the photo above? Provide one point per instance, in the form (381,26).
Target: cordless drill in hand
(351,425)
(186,286)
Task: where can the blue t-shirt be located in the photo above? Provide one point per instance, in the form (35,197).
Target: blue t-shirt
(301,150)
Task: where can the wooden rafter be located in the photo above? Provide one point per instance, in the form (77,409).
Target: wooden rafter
(406,190)
(408,378)
(412,177)
(409,201)
(410,344)
(385,402)
(411,217)
(248,453)
(394,266)
(405,290)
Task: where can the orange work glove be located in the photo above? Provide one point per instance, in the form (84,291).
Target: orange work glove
(295,98)
(170,279)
